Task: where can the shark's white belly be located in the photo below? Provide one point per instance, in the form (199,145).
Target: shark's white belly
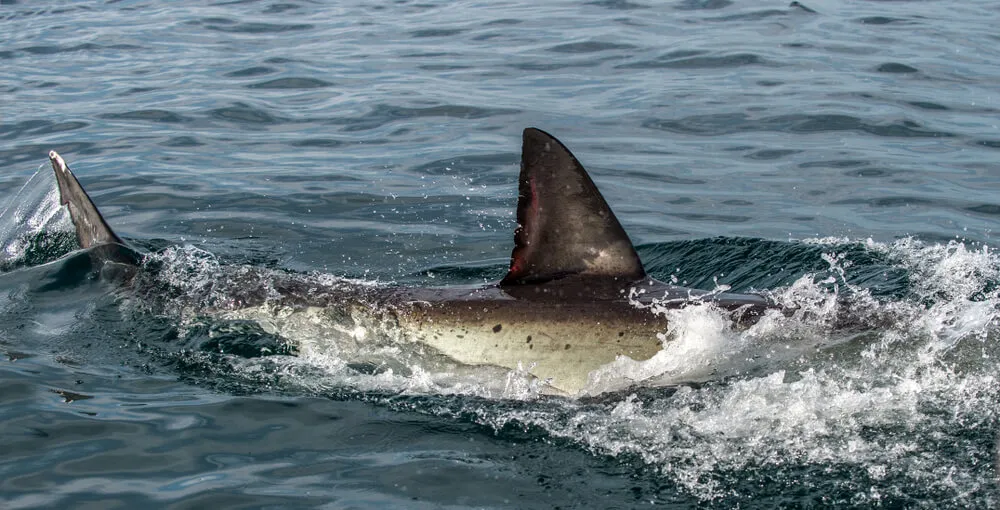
(558,343)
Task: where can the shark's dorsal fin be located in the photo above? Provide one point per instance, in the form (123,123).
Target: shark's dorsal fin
(91,229)
(565,228)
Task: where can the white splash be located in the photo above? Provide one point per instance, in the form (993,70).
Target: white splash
(880,400)
(32,210)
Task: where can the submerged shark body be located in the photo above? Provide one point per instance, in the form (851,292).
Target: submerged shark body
(573,300)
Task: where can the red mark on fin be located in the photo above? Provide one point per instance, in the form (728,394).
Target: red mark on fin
(518,263)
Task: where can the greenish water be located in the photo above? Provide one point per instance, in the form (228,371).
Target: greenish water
(844,161)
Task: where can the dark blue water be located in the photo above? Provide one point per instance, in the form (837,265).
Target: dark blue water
(842,158)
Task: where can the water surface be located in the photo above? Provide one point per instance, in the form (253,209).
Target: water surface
(839,155)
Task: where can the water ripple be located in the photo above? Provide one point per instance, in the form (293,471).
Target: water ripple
(181,141)
(36,128)
(671,61)
(382,114)
(619,5)
(927,105)
(731,123)
(589,47)
(31,153)
(692,5)
(898,201)
(436,32)
(992,144)
(895,67)
(326,143)
(985,209)
(245,114)
(251,71)
(147,115)
(291,83)
(881,20)
(751,16)
(256,28)
(771,154)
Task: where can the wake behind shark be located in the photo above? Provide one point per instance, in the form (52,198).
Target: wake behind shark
(573,300)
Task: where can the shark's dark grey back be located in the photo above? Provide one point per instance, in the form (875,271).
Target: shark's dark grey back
(565,227)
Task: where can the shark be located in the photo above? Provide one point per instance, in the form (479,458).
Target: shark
(576,296)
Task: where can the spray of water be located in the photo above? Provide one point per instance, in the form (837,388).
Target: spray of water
(33,225)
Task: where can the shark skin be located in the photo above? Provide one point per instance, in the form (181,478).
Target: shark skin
(572,301)
(561,342)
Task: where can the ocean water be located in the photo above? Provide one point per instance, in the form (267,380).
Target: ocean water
(842,157)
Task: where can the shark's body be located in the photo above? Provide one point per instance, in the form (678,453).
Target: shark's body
(572,301)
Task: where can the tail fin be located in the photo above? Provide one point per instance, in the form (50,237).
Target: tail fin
(91,229)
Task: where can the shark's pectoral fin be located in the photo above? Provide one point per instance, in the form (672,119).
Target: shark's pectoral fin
(565,227)
(92,232)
